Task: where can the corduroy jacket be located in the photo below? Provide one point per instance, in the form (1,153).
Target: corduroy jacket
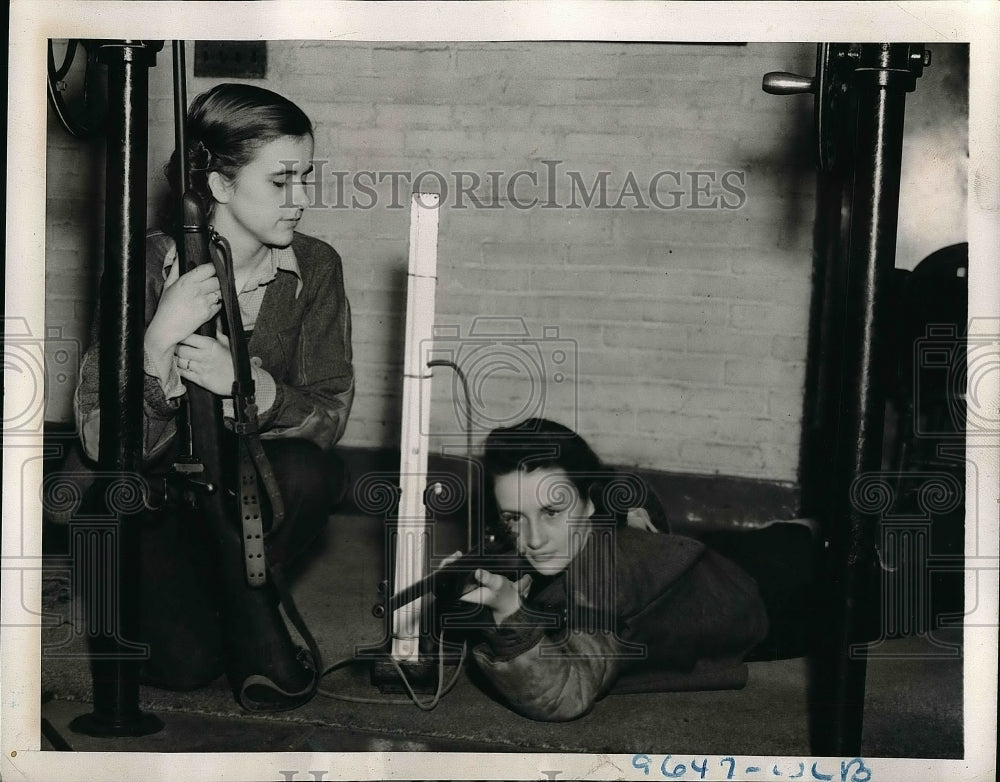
(662,607)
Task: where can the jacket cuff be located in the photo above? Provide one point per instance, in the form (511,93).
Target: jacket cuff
(266,415)
(265,389)
(157,404)
(169,387)
(513,638)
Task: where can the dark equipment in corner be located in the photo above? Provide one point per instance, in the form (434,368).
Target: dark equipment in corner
(860,93)
(930,373)
(925,449)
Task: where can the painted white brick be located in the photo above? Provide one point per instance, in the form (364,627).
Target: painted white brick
(412,116)
(636,335)
(770,318)
(729,341)
(697,312)
(764,372)
(689,325)
(627,255)
(785,405)
(723,457)
(789,348)
(659,365)
(781,291)
(776,263)
(748,400)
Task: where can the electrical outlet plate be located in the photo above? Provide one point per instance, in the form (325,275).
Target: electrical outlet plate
(233,59)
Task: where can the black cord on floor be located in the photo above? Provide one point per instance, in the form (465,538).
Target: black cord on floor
(442,688)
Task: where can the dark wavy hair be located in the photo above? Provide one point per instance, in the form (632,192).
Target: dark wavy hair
(538,443)
(225,127)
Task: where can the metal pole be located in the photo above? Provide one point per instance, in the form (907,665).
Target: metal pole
(823,367)
(883,75)
(115,659)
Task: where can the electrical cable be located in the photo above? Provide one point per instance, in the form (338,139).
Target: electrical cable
(442,362)
(442,688)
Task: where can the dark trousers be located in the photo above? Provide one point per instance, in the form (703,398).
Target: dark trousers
(194,624)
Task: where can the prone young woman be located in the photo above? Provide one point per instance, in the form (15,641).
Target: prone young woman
(607,596)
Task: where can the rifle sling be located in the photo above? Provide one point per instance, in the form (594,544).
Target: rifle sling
(253,462)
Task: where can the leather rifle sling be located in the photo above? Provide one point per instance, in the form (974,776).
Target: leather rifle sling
(253,462)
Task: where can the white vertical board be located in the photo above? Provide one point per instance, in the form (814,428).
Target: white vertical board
(412,520)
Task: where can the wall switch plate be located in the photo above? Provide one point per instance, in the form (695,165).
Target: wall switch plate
(238,59)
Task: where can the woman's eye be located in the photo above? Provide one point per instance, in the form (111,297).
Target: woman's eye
(280,183)
(509,520)
(551,513)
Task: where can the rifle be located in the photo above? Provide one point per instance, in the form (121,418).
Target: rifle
(229,499)
(203,433)
(451,581)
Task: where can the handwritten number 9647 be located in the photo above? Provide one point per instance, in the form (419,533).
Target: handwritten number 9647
(853,770)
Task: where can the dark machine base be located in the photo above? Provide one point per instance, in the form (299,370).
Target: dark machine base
(422,676)
(139,724)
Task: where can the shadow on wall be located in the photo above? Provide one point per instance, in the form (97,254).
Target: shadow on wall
(796,156)
(395,349)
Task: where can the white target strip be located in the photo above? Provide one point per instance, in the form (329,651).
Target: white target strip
(412,533)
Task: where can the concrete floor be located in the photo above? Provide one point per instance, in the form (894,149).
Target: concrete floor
(191,732)
(335,594)
(910,712)
(913,705)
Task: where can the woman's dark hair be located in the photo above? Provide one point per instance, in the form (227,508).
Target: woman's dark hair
(225,127)
(539,443)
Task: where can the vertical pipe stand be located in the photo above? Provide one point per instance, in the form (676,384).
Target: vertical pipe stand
(115,659)
(882,74)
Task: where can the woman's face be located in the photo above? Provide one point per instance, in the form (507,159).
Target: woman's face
(546,514)
(263,204)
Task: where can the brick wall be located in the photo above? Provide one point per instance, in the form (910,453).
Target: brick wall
(673,338)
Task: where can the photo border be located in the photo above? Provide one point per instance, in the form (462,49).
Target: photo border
(31,23)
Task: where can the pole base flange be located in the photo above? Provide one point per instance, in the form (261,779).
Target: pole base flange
(97,725)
